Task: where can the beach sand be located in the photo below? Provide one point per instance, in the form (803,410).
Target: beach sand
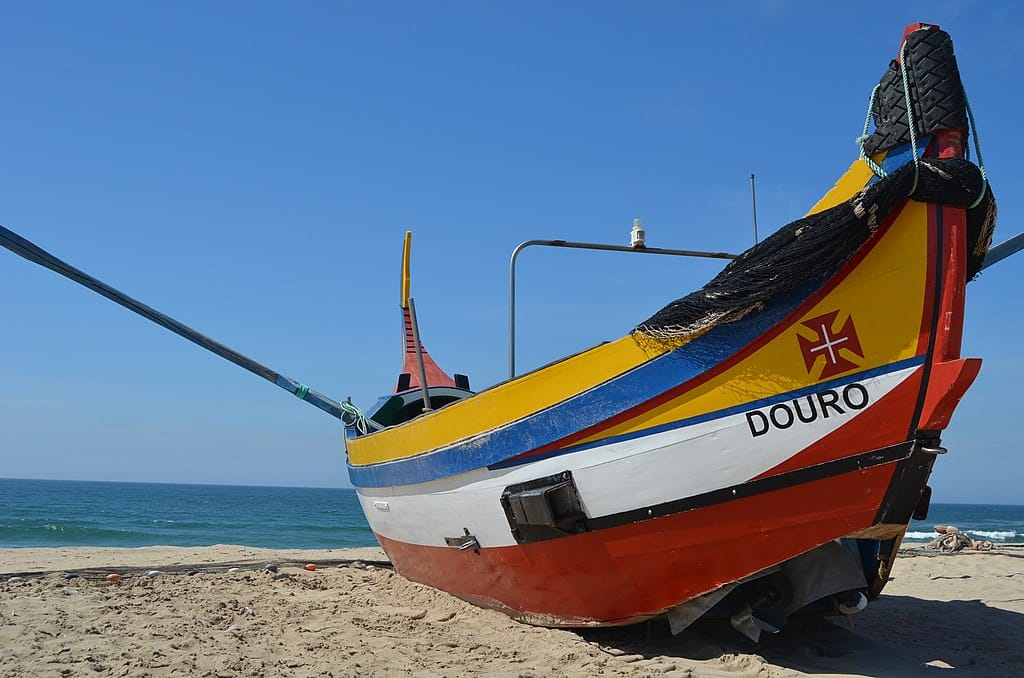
(355,616)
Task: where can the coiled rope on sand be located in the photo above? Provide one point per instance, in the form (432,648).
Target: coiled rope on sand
(951,540)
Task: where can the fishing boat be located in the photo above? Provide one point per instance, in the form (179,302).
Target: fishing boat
(756,447)
(753,450)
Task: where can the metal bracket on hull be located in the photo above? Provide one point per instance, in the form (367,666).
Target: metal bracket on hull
(465,542)
(545,508)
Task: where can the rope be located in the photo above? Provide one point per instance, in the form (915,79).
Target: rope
(911,125)
(813,248)
(358,421)
(977,148)
(951,540)
(912,128)
(877,169)
(351,416)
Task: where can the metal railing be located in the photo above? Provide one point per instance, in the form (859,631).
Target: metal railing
(580,246)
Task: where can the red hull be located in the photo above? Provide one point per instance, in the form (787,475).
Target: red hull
(616,535)
(626,574)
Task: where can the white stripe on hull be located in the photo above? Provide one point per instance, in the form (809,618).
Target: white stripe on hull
(612,478)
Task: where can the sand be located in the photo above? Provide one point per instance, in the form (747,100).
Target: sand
(355,616)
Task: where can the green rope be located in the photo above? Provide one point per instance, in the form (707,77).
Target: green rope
(878,171)
(910,113)
(977,148)
(358,422)
(301,391)
(912,127)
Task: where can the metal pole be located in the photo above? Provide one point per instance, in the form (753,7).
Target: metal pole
(419,355)
(580,246)
(1003,250)
(753,205)
(512,307)
(37,255)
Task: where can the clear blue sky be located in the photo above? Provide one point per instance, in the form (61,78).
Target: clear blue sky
(251,168)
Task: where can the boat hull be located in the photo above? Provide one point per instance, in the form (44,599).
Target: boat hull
(725,464)
(714,457)
(664,526)
(635,571)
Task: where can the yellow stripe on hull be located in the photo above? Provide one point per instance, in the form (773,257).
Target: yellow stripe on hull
(539,390)
(852,181)
(500,405)
(894,272)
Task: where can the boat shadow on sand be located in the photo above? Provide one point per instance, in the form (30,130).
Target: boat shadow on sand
(895,636)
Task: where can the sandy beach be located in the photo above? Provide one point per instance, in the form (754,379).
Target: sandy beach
(216,611)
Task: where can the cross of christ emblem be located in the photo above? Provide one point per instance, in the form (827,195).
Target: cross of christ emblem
(833,344)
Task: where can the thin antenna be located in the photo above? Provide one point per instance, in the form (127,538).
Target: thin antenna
(753,205)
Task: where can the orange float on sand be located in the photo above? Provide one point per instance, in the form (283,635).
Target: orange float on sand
(114,578)
(310,567)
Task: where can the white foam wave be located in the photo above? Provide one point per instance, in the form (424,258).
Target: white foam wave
(996,534)
(977,534)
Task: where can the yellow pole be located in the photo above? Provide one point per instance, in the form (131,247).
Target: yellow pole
(405,269)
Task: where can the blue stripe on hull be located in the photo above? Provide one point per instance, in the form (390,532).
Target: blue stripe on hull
(587,409)
(590,408)
(720,414)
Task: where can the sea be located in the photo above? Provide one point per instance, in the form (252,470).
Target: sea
(81,513)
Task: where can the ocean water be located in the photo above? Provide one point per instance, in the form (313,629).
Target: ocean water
(75,513)
(997,524)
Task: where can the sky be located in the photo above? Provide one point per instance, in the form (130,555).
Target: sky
(251,168)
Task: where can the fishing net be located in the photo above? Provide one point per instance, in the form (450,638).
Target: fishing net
(817,245)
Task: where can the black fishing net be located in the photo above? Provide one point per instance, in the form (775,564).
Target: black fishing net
(817,245)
